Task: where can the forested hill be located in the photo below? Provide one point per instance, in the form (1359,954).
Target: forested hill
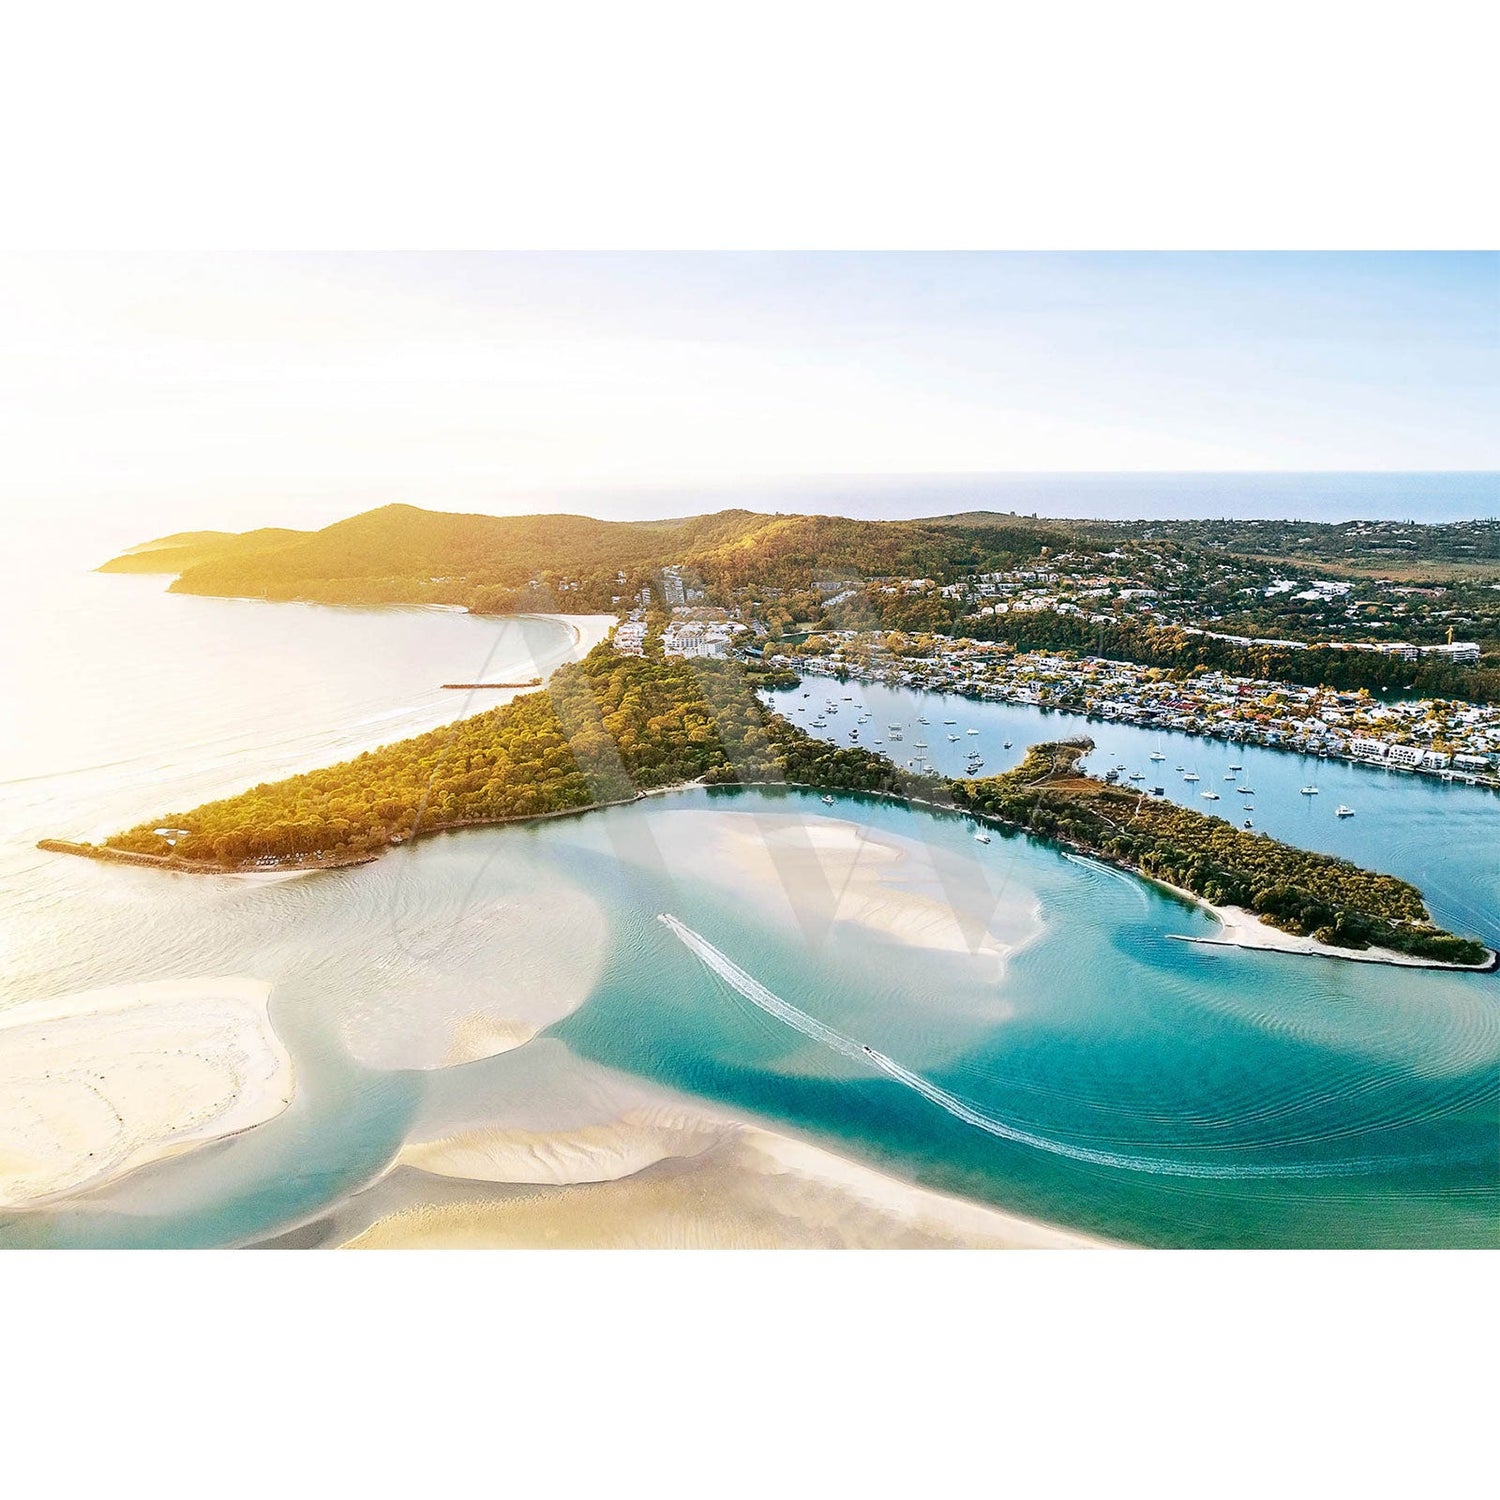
(402,554)
(189,549)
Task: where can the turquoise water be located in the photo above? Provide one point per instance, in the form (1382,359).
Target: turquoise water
(1444,837)
(1246,1098)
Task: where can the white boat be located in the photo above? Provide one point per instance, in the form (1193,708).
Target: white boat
(1209,796)
(1343,812)
(1157,755)
(1192,776)
(1309,791)
(1229,776)
(1245,791)
(1236,768)
(1136,776)
(950,721)
(971,731)
(951,738)
(827,800)
(981,837)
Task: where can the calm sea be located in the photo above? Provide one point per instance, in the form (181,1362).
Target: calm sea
(1188,1096)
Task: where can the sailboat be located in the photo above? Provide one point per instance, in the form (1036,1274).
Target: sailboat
(1343,812)
(1309,791)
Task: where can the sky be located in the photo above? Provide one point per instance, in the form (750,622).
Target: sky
(147,393)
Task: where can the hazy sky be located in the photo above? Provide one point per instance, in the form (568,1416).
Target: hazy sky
(229,391)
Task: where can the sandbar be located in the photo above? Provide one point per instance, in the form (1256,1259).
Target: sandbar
(749,1188)
(96,1084)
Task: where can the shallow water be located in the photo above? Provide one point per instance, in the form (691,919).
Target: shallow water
(1307,1101)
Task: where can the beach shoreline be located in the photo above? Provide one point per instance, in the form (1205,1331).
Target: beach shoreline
(1244,930)
(98,1084)
(684,1177)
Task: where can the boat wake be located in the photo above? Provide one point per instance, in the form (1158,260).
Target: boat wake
(754,991)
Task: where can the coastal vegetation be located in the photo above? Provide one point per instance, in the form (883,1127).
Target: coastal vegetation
(604,730)
(1296,890)
(613,726)
(496,564)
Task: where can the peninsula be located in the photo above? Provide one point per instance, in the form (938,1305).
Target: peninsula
(624,722)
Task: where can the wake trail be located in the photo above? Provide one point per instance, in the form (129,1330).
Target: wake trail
(754,991)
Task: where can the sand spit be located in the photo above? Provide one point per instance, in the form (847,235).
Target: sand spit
(1240,928)
(743,1187)
(96,1084)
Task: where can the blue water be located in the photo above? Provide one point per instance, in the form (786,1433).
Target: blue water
(1260,1099)
(1444,837)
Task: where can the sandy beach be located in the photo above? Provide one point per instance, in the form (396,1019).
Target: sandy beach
(97,1084)
(726,1187)
(1241,928)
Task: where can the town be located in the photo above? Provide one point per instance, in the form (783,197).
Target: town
(1449,739)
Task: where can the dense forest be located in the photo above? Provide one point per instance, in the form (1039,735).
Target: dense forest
(1294,889)
(602,730)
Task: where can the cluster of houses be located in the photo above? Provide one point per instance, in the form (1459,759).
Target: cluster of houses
(1447,738)
(693,631)
(699,632)
(1074,585)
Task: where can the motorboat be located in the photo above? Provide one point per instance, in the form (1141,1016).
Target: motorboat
(827,800)
(1192,776)
(981,837)
(1209,796)
(1343,812)
(1309,791)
